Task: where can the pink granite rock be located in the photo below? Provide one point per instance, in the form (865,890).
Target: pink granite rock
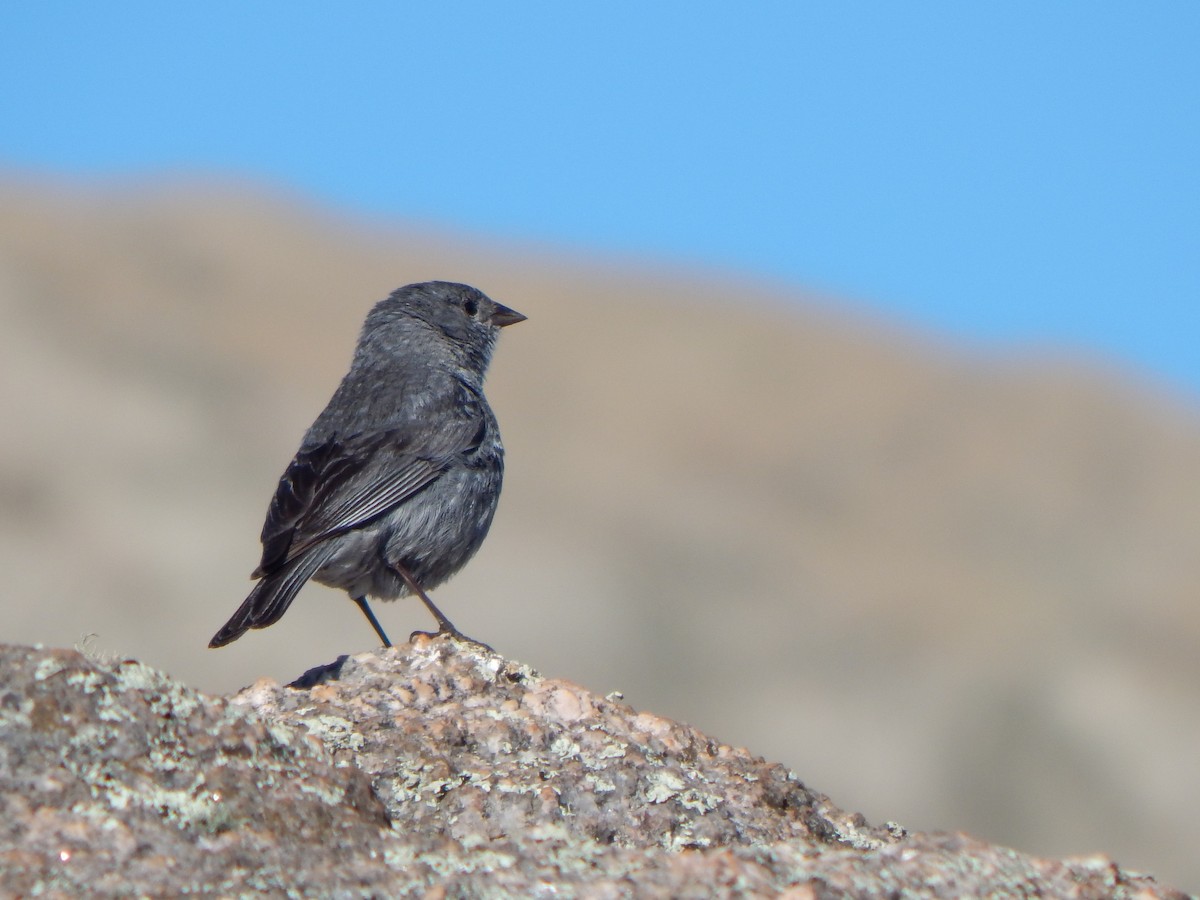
(435,769)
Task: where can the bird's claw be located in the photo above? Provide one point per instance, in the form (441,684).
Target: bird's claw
(453,634)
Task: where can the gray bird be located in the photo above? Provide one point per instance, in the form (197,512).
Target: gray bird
(395,484)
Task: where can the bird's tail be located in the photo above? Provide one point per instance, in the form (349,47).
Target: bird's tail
(272,596)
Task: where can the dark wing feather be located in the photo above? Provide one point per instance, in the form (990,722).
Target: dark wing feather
(311,468)
(345,482)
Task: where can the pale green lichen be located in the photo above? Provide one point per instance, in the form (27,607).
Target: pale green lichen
(86,738)
(89,680)
(328,793)
(283,735)
(598,784)
(335,732)
(48,668)
(685,839)
(662,785)
(699,801)
(108,711)
(612,750)
(564,747)
(402,857)
(510,787)
(19,717)
(164,696)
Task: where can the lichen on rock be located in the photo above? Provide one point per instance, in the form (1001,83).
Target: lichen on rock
(434,766)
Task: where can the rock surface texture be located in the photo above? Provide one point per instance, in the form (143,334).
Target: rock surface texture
(435,769)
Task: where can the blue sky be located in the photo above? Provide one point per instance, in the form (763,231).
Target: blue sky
(1017,171)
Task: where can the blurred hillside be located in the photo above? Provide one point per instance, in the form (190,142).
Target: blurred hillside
(963,590)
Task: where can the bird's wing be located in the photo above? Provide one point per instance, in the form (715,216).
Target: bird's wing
(344,482)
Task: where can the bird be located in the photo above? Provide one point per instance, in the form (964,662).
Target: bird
(395,484)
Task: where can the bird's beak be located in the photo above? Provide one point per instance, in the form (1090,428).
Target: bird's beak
(504,316)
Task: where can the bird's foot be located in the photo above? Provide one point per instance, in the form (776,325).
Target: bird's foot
(453,634)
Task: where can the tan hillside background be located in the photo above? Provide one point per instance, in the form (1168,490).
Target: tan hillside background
(949,589)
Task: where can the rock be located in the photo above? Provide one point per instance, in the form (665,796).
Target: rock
(435,769)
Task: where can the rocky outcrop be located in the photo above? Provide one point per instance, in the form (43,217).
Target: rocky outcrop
(435,769)
(949,584)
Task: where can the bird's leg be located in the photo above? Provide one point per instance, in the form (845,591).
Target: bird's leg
(366,610)
(445,626)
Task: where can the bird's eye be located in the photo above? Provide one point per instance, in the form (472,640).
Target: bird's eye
(471,306)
